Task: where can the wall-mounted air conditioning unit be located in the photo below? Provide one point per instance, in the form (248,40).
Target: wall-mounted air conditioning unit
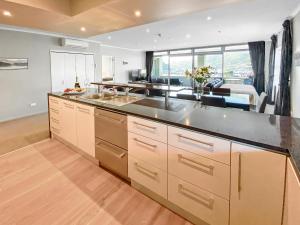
(66,42)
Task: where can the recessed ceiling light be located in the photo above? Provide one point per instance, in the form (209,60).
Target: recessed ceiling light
(137,13)
(109,37)
(7,13)
(208,18)
(187,36)
(148,30)
(83,29)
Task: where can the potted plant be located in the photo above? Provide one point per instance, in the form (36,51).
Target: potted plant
(200,75)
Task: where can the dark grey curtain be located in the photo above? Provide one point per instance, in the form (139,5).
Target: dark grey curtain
(257,54)
(282,103)
(149,64)
(271,69)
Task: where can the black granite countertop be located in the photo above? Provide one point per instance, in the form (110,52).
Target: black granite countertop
(274,133)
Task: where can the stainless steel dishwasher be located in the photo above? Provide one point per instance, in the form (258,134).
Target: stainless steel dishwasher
(111,141)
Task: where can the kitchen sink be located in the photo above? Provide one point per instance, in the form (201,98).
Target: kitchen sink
(117,100)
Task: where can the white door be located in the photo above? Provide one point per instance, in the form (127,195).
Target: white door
(80,69)
(57,71)
(90,68)
(70,70)
(257,186)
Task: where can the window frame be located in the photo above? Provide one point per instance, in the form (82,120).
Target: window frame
(194,53)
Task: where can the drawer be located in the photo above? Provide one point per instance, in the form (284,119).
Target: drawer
(112,157)
(204,145)
(202,172)
(202,204)
(147,175)
(54,102)
(87,110)
(55,122)
(148,150)
(148,128)
(54,112)
(55,130)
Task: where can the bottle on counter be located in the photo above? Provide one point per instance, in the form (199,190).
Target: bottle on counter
(77,85)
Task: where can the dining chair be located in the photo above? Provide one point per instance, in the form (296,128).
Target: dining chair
(186,97)
(221,91)
(206,90)
(213,101)
(261,103)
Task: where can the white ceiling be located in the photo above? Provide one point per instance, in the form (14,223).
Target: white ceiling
(235,23)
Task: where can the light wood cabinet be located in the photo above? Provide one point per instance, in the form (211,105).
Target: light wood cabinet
(202,172)
(291,214)
(210,208)
(68,122)
(148,128)
(257,186)
(74,123)
(85,128)
(147,175)
(207,146)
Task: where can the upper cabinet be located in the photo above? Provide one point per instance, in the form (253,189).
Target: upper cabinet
(66,66)
(292,197)
(257,186)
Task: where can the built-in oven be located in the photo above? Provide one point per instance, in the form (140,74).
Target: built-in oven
(111,141)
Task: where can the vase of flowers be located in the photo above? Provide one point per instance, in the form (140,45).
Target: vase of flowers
(200,75)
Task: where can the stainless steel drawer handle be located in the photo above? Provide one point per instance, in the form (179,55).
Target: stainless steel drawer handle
(203,200)
(69,106)
(54,120)
(195,140)
(239,186)
(100,116)
(54,111)
(149,173)
(114,153)
(143,125)
(145,143)
(208,169)
(55,130)
(87,111)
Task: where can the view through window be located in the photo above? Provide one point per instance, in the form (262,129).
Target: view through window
(230,63)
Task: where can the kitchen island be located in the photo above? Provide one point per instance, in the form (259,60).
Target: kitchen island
(200,161)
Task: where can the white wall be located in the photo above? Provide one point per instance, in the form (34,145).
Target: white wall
(136,60)
(295,78)
(20,88)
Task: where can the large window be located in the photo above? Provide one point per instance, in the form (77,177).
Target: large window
(213,60)
(179,64)
(237,67)
(160,66)
(232,63)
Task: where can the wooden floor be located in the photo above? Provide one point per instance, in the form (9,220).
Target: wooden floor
(22,132)
(48,183)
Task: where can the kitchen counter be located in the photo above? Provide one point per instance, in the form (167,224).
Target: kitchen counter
(274,133)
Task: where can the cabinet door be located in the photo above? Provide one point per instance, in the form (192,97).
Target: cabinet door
(90,68)
(292,197)
(257,186)
(80,69)
(70,70)
(57,71)
(68,122)
(85,129)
